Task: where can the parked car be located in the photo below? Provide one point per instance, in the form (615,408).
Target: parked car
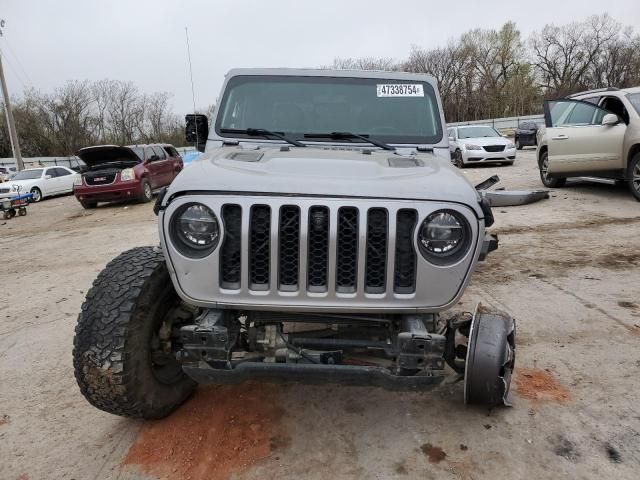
(594,134)
(479,144)
(42,182)
(133,172)
(526,135)
(5,173)
(321,237)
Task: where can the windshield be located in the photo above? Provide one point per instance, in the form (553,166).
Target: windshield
(634,98)
(475,132)
(139,152)
(28,174)
(390,111)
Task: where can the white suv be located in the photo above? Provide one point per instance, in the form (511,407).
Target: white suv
(595,134)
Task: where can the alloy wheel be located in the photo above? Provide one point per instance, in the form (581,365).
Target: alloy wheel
(636,177)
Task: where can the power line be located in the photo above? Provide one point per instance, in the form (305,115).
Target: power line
(14,70)
(13,54)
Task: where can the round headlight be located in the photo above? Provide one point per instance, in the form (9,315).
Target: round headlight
(195,229)
(444,237)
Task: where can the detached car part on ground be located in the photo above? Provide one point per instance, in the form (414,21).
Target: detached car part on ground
(592,134)
(324,247)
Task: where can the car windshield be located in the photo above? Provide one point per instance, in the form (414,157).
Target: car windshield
(139,152)
(390,111)
(475,132)
(28,174)
(634,98)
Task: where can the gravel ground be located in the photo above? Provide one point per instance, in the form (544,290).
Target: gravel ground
(567,269)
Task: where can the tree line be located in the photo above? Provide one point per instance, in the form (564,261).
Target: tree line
(483,73)
(84,113)
(489,73)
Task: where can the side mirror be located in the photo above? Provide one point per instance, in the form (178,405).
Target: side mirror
(452,139)
(47,177)
(153,158)
(197,130)
(610,119)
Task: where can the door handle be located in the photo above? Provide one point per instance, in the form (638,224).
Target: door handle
(560,137)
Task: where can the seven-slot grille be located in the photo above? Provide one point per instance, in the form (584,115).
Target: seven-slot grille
(307,233)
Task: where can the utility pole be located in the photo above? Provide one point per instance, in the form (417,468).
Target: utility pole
(7,106)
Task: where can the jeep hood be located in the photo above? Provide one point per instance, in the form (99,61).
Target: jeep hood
(328,172)
(108,156)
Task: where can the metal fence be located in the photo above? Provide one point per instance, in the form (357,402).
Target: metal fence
(502,123)
(71,162)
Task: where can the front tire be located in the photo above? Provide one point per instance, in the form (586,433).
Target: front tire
(633,177)
(548,181)
(518,146)
(120,355)
(37,194)
(147,194)
(88,205)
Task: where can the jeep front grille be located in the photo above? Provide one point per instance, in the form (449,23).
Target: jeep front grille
(230,256)
(319,248)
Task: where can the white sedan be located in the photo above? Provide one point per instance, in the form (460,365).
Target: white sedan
(479,144)
(41,182)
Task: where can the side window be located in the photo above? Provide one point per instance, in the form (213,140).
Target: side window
(160,152)
(615,105)
(573,113)
(51,172)
(61,172)
(149,153)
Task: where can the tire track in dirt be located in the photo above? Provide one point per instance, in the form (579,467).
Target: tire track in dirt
(219,432)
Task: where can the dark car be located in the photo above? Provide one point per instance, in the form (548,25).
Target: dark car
(116,173)
(525,135)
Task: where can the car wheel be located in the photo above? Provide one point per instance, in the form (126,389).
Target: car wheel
(88,205)
(457,159)
(548,181)
(123,350)
(509,163)
(634,176)
(518,146)
(147,193)
(37,194)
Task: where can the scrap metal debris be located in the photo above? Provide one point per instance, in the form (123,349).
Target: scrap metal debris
(508,198)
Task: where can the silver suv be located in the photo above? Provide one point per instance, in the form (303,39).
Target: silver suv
(595,134)
(320,238)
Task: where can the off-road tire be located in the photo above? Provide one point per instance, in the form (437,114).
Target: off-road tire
(547,181)
(633,176)
(112,346)
(88,205)
(147,194)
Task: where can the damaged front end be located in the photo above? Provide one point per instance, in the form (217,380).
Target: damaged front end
(399,352)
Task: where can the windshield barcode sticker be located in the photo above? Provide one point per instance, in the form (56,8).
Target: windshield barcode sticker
(400,90)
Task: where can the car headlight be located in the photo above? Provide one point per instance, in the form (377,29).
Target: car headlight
(444,237)
(127,174)
(195,230)
(77,181)
(471,146)
(510,145)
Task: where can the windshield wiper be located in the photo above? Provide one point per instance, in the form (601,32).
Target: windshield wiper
(261,132)
(339,135)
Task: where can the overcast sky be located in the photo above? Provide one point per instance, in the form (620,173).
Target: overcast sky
(144,41)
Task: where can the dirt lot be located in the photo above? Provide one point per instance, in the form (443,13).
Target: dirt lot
(568,269)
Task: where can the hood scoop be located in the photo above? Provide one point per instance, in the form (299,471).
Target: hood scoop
(404,162)
(251,156)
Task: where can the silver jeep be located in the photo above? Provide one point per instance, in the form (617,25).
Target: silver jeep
(319,238)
